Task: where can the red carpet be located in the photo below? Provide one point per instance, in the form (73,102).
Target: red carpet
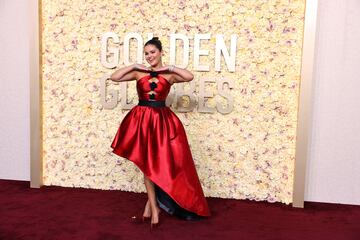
(52,213)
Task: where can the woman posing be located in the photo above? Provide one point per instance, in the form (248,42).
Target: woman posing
(152,137)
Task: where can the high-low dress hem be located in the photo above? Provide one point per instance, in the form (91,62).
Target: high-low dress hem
(163,188)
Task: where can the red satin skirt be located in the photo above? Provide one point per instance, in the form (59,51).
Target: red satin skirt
(155,140)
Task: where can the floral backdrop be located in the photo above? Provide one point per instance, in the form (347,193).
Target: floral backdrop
(246,154)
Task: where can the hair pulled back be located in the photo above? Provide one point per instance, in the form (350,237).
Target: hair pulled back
(156,42)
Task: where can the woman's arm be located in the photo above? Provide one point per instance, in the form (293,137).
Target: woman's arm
(127,73)
(180,74)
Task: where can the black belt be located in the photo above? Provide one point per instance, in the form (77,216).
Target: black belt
(152,103)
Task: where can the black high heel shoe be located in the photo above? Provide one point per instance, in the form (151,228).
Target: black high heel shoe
(140,219)
(153,226)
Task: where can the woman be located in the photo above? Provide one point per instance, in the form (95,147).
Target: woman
(153,137)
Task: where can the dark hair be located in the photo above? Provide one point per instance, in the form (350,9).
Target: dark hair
(154,41)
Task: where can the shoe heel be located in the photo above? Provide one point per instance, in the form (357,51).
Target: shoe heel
(154,226)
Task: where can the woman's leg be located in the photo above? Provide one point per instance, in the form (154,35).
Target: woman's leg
(152,200)
(147,210)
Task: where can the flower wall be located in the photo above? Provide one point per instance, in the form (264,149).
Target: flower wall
(248,153)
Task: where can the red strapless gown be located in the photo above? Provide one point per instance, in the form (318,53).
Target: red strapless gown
(155,140)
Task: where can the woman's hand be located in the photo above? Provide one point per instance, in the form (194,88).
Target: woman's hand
(141,67)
